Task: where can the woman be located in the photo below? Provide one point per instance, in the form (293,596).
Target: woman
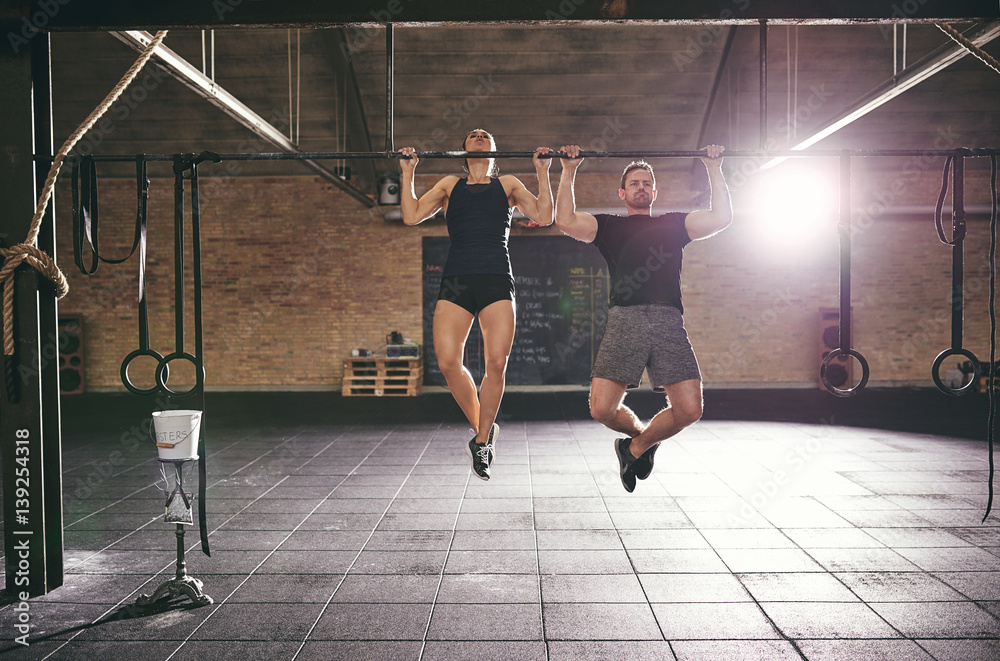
(477,278)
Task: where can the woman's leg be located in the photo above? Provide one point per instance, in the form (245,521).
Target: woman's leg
(451,328)
(496,322)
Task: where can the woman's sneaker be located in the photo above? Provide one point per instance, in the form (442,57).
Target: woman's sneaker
(483,454)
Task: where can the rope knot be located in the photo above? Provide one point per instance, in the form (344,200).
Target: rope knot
(38,260)
(13,257)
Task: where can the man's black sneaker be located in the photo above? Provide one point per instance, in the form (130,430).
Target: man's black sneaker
(626,462)
(644,464)
(482,454)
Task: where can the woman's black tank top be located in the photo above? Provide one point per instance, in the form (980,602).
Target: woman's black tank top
(479,226)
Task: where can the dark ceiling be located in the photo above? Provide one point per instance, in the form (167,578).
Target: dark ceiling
(614,86)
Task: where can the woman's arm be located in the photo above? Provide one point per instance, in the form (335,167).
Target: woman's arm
(538,210)
(418,210)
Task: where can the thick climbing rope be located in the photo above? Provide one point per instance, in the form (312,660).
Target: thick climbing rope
(975,50)
(28,251)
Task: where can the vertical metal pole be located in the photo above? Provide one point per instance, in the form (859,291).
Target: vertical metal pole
(763,84)
(388,88)
(29,411)
(958,252)
(845,252)
(48,314)
(179,169)
(181,568)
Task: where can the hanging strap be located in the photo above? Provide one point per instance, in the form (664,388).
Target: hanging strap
(86,217)
(955,164)
(186,167)
(938,224)
(199,345)
(84,177)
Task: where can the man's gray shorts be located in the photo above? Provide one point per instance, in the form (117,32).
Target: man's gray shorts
(649,337)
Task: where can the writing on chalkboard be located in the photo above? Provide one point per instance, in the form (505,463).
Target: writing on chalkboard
(561,292)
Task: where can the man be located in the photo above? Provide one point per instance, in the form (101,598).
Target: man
(645,324)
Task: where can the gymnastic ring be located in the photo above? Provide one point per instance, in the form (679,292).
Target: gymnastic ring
(131,387)
(163,373)
(848,392)
(967,388)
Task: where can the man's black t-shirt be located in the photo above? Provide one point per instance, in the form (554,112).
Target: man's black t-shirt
(644,257)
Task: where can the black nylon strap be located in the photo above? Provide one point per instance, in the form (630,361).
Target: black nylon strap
(184,164)
(199,352)
(938,224)
(84,190)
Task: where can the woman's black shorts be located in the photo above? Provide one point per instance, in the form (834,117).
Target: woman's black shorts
(474,292)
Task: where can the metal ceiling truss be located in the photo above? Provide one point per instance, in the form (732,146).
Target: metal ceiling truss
(116,15)
(205,87)
(933,63)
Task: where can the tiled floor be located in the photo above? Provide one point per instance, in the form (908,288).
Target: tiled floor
(346,540)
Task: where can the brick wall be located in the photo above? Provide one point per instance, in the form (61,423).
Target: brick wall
(296,274)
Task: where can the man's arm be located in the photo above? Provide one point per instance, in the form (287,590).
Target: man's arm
(577,224)
(706,222)
(538,210)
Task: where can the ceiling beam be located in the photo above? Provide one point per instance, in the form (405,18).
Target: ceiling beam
(933,63)
(111,15)
(205,87)
(352,122)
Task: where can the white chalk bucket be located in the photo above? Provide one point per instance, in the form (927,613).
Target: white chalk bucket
(177,433)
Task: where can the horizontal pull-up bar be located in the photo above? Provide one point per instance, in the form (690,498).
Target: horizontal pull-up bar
(365,155)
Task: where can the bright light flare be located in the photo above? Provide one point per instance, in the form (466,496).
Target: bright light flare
(795,205)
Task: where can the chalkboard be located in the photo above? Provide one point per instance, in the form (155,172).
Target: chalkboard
(561,289)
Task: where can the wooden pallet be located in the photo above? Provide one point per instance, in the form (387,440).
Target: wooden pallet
(378,376)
